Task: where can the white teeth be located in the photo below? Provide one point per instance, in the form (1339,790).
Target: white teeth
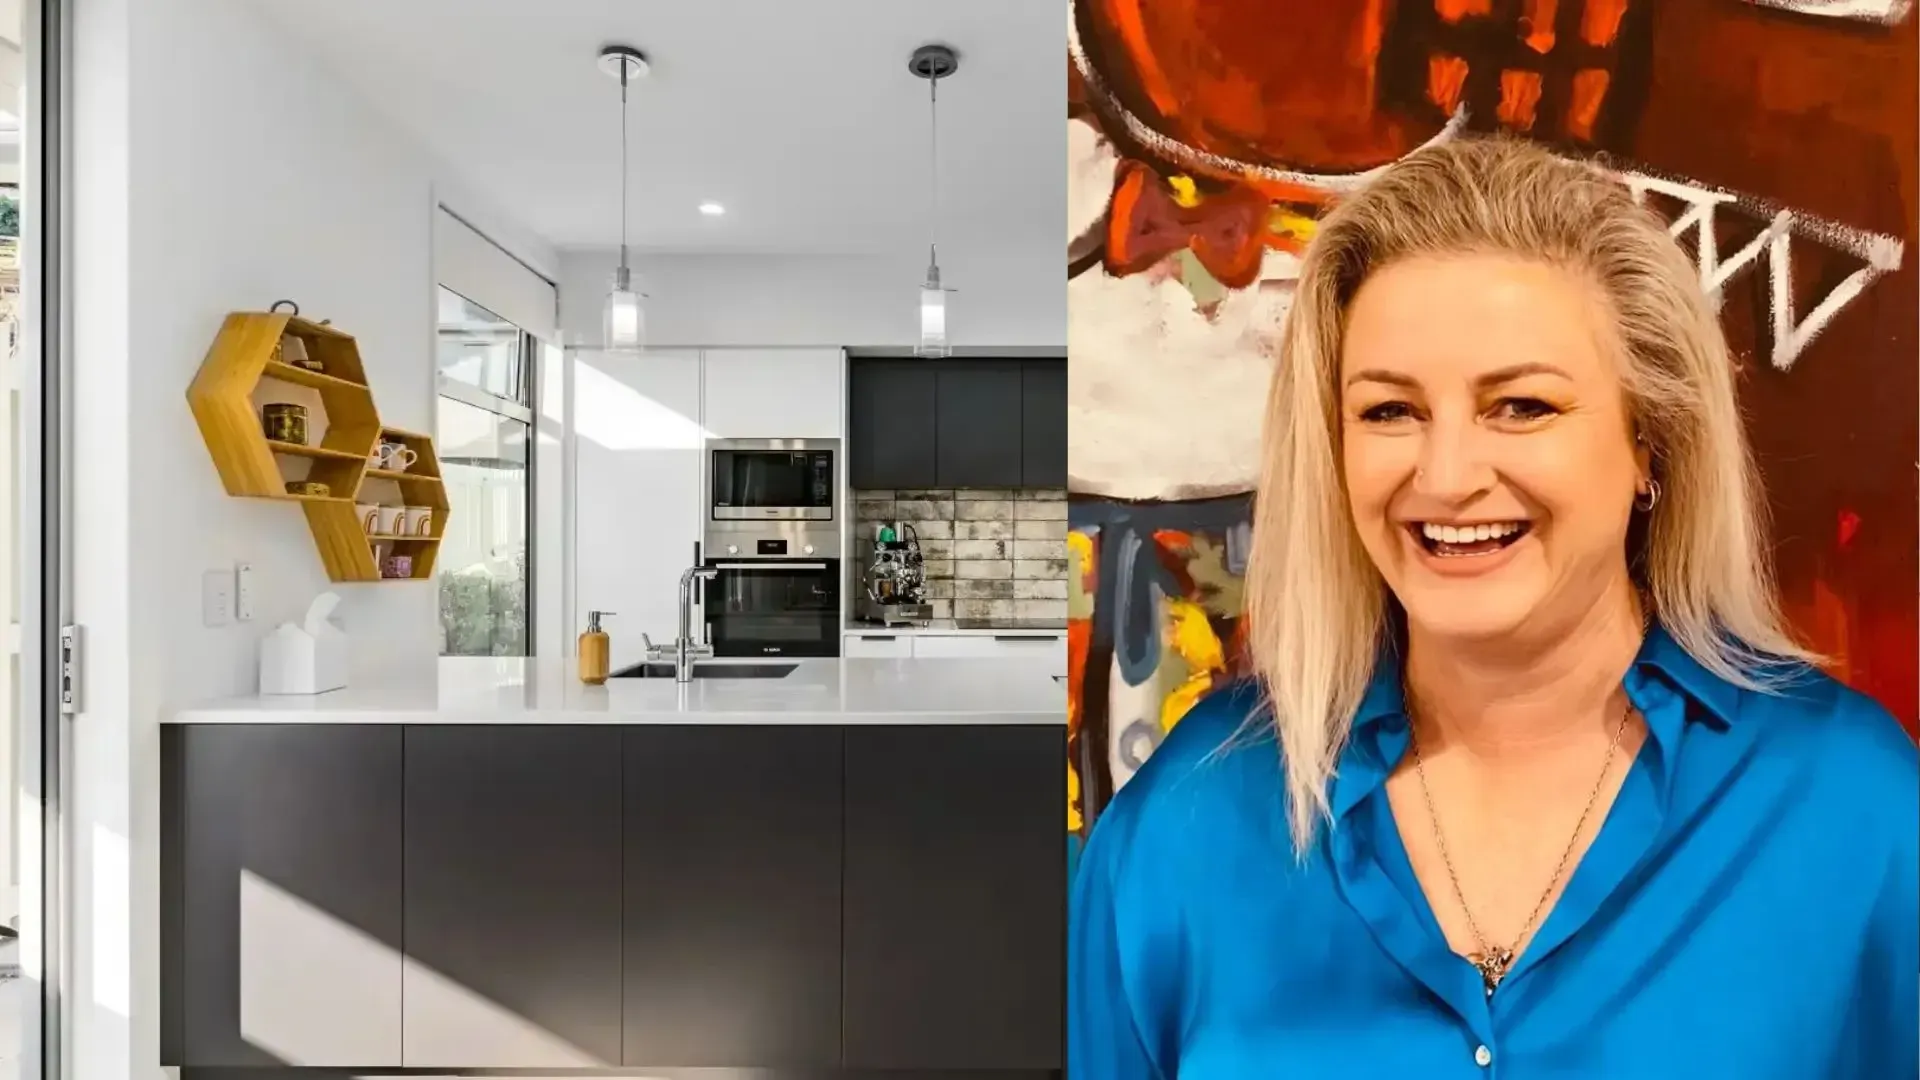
(1468,534)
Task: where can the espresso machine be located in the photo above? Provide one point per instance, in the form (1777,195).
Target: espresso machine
(895,590)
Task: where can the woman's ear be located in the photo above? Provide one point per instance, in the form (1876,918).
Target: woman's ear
(1642,461)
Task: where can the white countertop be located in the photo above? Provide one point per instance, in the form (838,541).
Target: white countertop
(482,690)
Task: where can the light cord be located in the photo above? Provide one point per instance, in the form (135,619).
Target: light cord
(933,165)
(623,162)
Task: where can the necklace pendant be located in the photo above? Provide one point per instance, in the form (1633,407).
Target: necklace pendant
(1492,965)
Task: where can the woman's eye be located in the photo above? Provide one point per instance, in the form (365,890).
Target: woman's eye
(1386,412)
(1523,409)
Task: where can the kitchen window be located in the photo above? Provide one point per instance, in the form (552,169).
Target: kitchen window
(483,434)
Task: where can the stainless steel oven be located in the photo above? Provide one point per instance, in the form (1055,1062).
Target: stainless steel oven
(773,540)
(755,481)
(771,604)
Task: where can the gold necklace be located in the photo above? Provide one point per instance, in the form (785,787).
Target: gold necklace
(1491,961)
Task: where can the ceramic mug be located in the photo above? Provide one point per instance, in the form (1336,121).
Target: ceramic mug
(369,517)
(395,457)
(397,566)
(388,519)
(417,521)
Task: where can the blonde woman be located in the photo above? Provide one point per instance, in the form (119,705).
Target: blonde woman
(1533,782)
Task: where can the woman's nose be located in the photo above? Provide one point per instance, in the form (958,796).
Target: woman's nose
(1453,465)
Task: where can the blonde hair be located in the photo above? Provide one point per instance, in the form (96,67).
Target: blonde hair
(1319,611)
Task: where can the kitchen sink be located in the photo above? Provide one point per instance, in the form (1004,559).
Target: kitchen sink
(709,671)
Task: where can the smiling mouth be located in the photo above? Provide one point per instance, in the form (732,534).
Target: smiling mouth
(1467,541)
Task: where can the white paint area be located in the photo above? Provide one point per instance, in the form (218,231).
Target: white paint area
(1878,254)
(1165,400)
(1887,12)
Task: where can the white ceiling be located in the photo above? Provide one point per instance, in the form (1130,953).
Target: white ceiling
(799,117)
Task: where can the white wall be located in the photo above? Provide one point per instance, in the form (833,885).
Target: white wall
(1015,299)
(240,174)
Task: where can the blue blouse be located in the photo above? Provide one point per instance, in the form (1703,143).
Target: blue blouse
(1750,909)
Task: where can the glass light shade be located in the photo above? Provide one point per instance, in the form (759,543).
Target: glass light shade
(933,321)
(626,322)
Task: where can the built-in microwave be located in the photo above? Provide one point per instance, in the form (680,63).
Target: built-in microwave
(765,480)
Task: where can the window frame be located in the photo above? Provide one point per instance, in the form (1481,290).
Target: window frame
(524,411)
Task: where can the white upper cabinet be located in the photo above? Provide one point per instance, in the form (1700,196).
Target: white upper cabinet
(774,393)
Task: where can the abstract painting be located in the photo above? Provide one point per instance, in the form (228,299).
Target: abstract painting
(1206,138)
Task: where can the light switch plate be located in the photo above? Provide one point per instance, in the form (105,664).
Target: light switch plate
(216,598)
(243,592)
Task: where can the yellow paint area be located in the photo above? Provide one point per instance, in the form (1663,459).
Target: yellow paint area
(1185,194)
(1284,222)
(1080,583)
(1074,820)
(1192,639)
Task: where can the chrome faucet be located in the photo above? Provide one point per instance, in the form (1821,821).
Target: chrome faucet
(683,651)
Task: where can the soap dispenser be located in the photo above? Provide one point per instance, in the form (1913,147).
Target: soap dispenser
(594,650)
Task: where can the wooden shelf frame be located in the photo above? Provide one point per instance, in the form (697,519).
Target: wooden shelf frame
(242,358)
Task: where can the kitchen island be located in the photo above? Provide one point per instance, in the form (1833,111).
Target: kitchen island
(855,867)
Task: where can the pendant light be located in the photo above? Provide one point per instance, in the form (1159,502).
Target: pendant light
(625,324)
(933,63)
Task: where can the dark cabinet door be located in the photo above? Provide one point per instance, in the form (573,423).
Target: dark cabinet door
(978,432)
(1043,424)
(513,896)
(733,896)
(891,418)
(955,898)
(281,895)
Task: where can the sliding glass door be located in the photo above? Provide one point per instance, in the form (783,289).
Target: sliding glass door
(35,703)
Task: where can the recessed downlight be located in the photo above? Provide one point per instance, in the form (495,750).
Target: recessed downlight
(712,209)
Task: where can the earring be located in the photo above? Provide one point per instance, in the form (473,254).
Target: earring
(1649,498)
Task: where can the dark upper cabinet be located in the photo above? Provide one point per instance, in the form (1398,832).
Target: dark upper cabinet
(1043,423)
(977,434)
(733,896)
(513,850)
(955,898)
(892,407)
(280,895)
(957,423)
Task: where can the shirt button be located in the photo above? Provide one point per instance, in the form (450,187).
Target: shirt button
(1482,1057)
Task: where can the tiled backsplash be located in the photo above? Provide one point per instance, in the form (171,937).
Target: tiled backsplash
(991,554)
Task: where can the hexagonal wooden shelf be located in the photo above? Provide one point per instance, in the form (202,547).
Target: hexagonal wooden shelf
(244,371)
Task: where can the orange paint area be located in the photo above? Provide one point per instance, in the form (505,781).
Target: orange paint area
(1081,550)
(1129,22)
(1536,25)
(1235,80)
(1146,223)
(1600,21)
(1519,99)
(1454,10)
(1446,81)
(1583,110)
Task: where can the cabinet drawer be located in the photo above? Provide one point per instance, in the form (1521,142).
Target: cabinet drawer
(975,646)
(881,646)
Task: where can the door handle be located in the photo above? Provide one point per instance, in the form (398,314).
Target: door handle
(770,566)
(1041,638)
